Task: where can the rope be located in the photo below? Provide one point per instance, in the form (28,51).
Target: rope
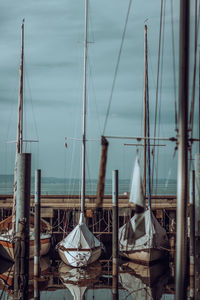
(117,66)
(157,82)
(194,72)
(160,89)
(174,68)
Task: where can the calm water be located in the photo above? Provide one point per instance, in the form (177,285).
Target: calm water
(59,281)
(62,186)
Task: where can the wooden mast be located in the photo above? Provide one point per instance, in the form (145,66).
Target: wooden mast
(19,143)
(84,112)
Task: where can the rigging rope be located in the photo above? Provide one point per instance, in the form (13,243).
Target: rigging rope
(160,89)
(174,68)
(157,83)
(117,66)
(194,71)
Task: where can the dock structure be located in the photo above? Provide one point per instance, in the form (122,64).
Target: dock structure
(62,211)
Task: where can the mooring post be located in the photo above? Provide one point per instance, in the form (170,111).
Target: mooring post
(36,289)
(115,240)
(22,226)
(197,226)
(102,171)
(37,223)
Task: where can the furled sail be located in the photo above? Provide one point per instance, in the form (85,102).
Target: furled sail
(136,194)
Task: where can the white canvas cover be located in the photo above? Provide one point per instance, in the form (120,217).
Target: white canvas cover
(136,193)
(143,231)
(80,238)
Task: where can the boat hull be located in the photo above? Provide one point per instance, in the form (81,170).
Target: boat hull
(145,256)
(7,247)
(79,258)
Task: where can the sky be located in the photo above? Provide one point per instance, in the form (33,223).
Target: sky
(53,82)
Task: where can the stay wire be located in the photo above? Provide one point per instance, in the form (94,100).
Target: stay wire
(117,66)
(174,67)
(157,83)
(194,70)
(160,88)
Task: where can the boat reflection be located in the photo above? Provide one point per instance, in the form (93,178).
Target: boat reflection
(144,282)
(77,280)
(7,275)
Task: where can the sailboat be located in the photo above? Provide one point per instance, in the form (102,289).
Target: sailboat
(7,226)
(142,239)
(80,247)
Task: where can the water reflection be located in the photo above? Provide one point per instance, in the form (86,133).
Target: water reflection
(7,277)
(59,281)
(77,280)
(144,282)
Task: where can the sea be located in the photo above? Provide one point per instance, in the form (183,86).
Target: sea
(61,186)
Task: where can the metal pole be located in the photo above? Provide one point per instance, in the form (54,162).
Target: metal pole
(197,226)
(84,111)
(182,175)
(192,232)
(22,226)
(37,223)
(115,227)
(36,289)
(145,126)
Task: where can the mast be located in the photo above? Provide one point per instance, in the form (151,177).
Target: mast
(182,173)
(19,144)
(20,108)
(199,101)
(144,149)
(147,125)
(84,111)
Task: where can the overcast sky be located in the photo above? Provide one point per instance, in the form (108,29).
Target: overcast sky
(54,33)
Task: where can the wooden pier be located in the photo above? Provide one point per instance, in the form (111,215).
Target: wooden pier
(60,210)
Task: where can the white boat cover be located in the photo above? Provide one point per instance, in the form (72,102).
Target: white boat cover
(136,193)
(143,231)
(80,238)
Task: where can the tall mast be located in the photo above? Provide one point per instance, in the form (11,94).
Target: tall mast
(84,111)
(20,107)
(145,130)
(199,101)
(182,173)
(147,125)
(19,144)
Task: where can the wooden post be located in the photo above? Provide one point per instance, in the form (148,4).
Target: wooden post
(37,223)
(102,171)
(115,229)
(22,226)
